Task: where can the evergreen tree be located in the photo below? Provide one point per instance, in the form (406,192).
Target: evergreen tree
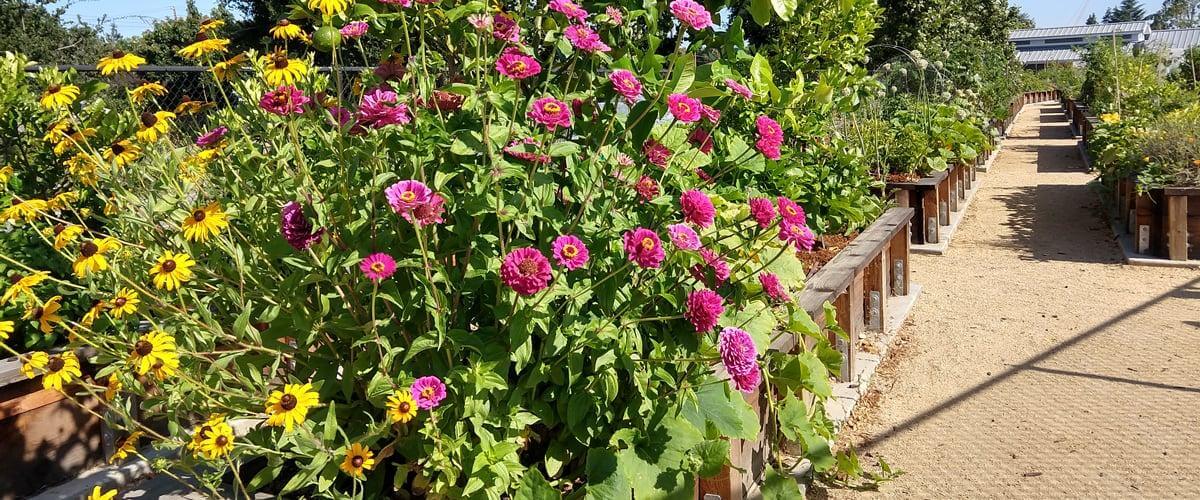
(1092,19)
(1128,10)
(1178,14)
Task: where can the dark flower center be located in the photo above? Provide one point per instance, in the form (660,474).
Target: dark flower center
(222,441)
(288,402)
(357,461)
(119,302)
(117,149)
(570,250)
(58,228)
(56,364)
(281,61)
(528,267)
(14,278)
(201,36)
(117,54)
(143,348)
(198,215)
(37,312)
(205,430)
(53,89)
(149,119)
(283,22)
(168,265)
(405,407)
(88,249)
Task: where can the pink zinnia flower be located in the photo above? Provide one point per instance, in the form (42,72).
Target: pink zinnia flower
(526,149)
(704,309)
(427,212)
(518,66)
(505,28)
(626,84)
(402,3)
(797,234)
(656,153)
(683,237)
(691,13)
(381,107)
(644,247)
(428,392)
(773,288)
(647,188)
(404,196)
(762,211)
(570,252)
(713,262)
(748,382)
(569,9)
(378,266)
(697,208)
(296,228)
(583,38)
(354,29)
(481,22)
(770,137)
(739,89)
(284,101)
(710,113)
(614,15)
(526,271)
(791,211)
(738,353)
(550,112)
(212,137)
(683,108)
(701,139)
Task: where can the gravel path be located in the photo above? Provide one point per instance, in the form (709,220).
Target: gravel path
(1036,364)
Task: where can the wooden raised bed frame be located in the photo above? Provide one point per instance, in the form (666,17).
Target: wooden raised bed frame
(1164,222)
(859,281)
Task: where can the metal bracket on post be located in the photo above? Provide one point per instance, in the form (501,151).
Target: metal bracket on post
(1132,221)
(875,314)
(931,231)
(1143,242)
(944,211)
(898,277)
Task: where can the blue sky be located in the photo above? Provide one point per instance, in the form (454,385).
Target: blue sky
(1052,13)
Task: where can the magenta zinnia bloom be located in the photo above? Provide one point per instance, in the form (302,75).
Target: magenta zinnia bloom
(710,113)
(381,107)
(797,234)
(683,108)
(691,13)
(683,237)
(354,29)
(713,262)
(284,101)
(738,353)
(526,271)
(762,211)
(550,112)
(614,15)
(402,3)
(404,196)
(770,137)
(570,252)
(748,382)
(427,212)
(739,89)
(212,137)
(378,266)
(296,228)
(697,208)
(526,149)
(702,139)
(791,211)
(704,308)
(644,248)
(505,28)
(513,64)
(569,9)
(626,83)
(583,38)
(428,392)
(773,288)
(647,188)
(656,153)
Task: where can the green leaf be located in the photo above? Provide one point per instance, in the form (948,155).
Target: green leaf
(713,455)
(684,73)
(778,486)
(379,388)
(795,425)
(726,410)
(331,426)
(606,479)
(760,10)
(535,487)
(268,474)
(784,8)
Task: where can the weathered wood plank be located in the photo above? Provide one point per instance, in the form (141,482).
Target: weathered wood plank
(1177,234)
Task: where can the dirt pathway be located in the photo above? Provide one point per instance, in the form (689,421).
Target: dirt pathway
(1036,365)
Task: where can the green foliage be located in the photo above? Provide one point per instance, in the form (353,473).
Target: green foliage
(39,30)
(1127,10)
(1129,84)
(1066,78)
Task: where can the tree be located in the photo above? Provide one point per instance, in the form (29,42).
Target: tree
(1092,19)
(1128,10)
(1178,14)
(1018,19)
(32,29)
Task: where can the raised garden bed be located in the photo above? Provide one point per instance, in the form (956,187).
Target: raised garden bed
(1161,223)
(869,285)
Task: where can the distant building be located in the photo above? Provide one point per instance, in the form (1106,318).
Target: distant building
(1039,47)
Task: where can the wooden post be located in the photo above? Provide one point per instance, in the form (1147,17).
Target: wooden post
(930,230)
(849,307)
(875,292)
(898,264)
(943,197)
(1176,227)
(952,191)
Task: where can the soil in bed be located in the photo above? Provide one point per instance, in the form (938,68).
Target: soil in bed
(903,177)
(824,250)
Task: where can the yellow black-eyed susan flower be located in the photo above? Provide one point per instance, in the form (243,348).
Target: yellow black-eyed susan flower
(46,314)
(172,270)
(6,173)
(99,494)
(151,126)
(6,329)
(60,369)
(128,447)
(119,61)
(62,200)
(219,441)
(83,168)
(203,431)
(122,152)
(154,351)
(225,70)
(288,407)
(286,30)
(204,222)
(278,69)
(124,302)
(400,406)
(189,106)
(210,25)
(329,7)
(93,312)
(113,387)
(26,210)
(204,45)
(146,91)
(65,234)
(92,258)
(23,285)
(358,459)
(59,96)
(32,363)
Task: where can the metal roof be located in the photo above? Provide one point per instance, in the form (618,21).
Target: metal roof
(1048,56)
(1092,29)
(1175,39)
